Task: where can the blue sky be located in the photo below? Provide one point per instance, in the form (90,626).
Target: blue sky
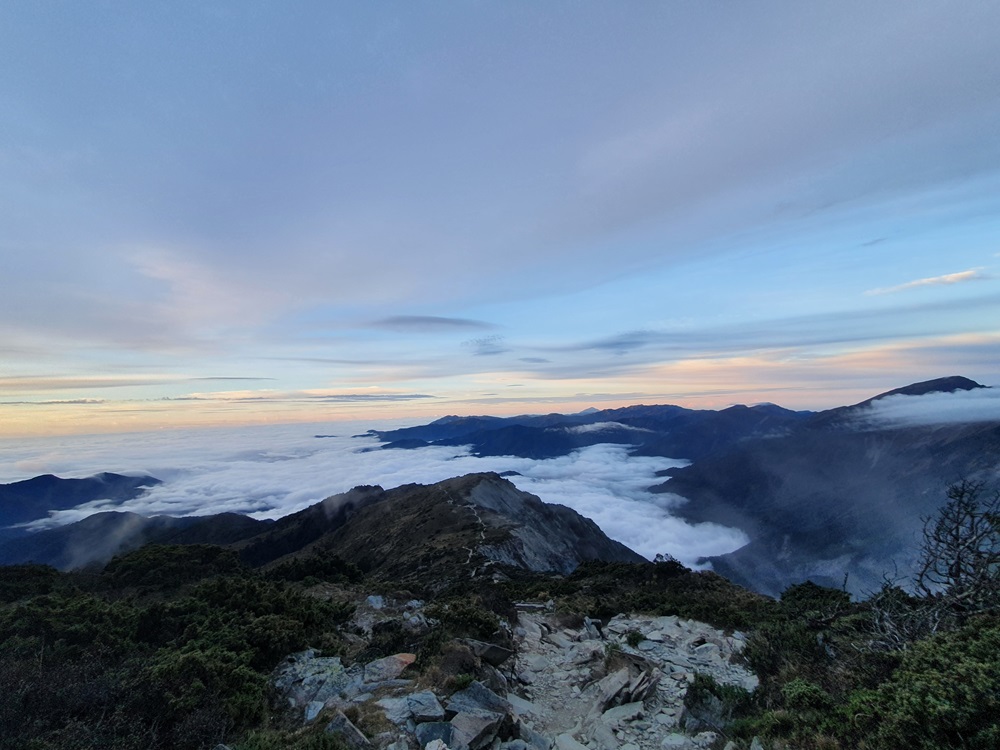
(227,212)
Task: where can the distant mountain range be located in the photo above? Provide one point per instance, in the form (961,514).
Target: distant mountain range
(822,495)
(32,499)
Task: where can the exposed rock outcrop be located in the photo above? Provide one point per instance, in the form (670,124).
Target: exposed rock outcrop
(569,688)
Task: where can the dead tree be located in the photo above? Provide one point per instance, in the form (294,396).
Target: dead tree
(959,564)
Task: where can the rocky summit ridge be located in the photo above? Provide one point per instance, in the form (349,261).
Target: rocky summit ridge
(460,527)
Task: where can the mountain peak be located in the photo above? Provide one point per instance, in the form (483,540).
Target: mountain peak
(938,385)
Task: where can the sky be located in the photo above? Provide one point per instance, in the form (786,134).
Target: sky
(226,213)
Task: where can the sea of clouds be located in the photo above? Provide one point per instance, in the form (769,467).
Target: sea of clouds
(270,471)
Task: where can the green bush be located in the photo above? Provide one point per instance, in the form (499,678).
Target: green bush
(164,566)
(945,694)
(633,638)
(802,695)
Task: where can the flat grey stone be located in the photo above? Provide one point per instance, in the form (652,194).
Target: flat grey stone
(535,740)
(558,639)
(353,737)
(522,706)
(424,706)
(531,628)
(474,729)
(489,652)
(388,668)
(618,714)
(478,697)
(434,730)
(676,740)
(567,742)
(604,737)
(397,710)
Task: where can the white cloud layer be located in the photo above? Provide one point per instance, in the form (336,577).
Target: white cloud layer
(979,405)
(268,472)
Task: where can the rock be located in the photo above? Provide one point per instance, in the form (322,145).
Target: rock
(434,745)
(730,746)
(610,687)
(535,740)
(375,601)
(647,645)
(515,745)
(558,639)
(342,727)
(521,706)
(705,739)
(474,729)
(618,714)
(756,744)
(630,746)
(489,652)
(535,662)
(707,651)
(586,652)
(424,706)
(478,697)
(532,630)
(493,678)
(388,668)
(432,731)
(305,677)
(675,740)
(604,737)
(591,629)
(312,710)
(566,741)
(397,710)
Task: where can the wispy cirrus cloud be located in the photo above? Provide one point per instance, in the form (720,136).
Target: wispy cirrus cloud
(56,402)
(428,324)
(973,274)
(78,382)
(487,346)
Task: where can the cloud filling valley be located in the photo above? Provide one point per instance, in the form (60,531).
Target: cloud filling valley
(271,471)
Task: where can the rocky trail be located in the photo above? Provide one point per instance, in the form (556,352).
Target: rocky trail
(589,686)
(596,686)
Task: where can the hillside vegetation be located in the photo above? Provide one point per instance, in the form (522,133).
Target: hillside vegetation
(173,646)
